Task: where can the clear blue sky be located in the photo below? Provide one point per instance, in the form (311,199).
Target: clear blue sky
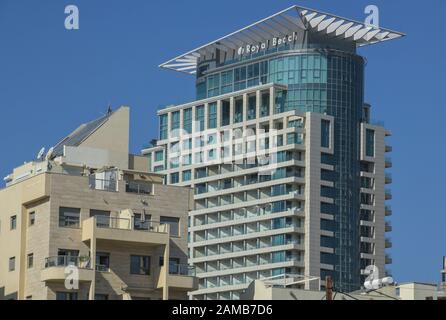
(52,79)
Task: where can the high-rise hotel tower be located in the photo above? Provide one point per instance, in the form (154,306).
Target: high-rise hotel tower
(288,170)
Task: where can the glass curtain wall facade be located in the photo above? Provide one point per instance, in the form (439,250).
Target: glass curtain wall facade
(330,83)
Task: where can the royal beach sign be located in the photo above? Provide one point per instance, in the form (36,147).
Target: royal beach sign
(274,42)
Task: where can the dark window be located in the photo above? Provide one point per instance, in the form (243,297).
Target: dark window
(12,264)
(327,225)
(325,134)
(370,143)
(328,242)
(32,218)
(13,223)
(174,224)
(69,217)
(174,265)
(30,260)
(99,296)
(102,218)
(66,296)
(141,221)
(140,265)
(102,261)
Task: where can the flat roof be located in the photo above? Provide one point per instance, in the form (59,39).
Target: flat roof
(283,24)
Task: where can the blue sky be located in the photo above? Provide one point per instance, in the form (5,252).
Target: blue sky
(52,79)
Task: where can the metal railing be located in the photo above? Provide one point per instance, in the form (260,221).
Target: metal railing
(107,222)
(138,187)
(65,261)
(101,184)
(182,270)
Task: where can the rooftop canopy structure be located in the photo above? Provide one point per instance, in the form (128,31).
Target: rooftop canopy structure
(283,27)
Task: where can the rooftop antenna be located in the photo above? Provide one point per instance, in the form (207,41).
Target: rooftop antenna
(109,110)
(40,154)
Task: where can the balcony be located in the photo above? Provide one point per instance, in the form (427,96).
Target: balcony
(389,148)
(388,211)
(388,243)
(388,194)
(388,163)
(102,185)
(138,187)
(55,268)
(180,277)
(103,228)
(388,227)
(388,259)
(388,178)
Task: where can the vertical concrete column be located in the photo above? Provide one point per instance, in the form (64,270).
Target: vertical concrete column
(258,101)
(206,116)
(92,291)
(272,100)
(231,110)
(218,113)
(166,266)
(245,108)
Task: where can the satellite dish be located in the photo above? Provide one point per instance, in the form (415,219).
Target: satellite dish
(49,153)
(40,154)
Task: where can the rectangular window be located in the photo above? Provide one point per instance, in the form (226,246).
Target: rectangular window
(175,121)
(175,178)
(13,223)
(11,264)
(163,127)
(227,79)
(66,296)
(187,144)
(99,296)
(32,218)
(213,85)
(252,105)
(103,261)
(238,110)
(159,156)
(158,168)
(140,265)
(174,225)
(370,143)
(187,175)
(264,106)
(30,260)
(212,123)
(225,113)
(325,134)
(187,120)
(174,265)
(69,217)
(199,118)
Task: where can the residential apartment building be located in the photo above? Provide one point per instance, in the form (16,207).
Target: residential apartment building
(288,168)
(88,221)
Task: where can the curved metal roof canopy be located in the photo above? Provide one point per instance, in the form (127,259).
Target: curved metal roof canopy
(282,24)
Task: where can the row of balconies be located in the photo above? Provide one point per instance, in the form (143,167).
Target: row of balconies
(246,246)
(238,216)
(246,229)
(105,229)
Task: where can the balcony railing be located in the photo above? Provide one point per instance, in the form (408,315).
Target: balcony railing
(182,270)
(388,162)
(106,222)
(65,261)
(103,185)
(388,211)
(388,194)
(138,187)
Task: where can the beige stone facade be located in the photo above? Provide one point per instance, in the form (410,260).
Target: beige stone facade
(93,214)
